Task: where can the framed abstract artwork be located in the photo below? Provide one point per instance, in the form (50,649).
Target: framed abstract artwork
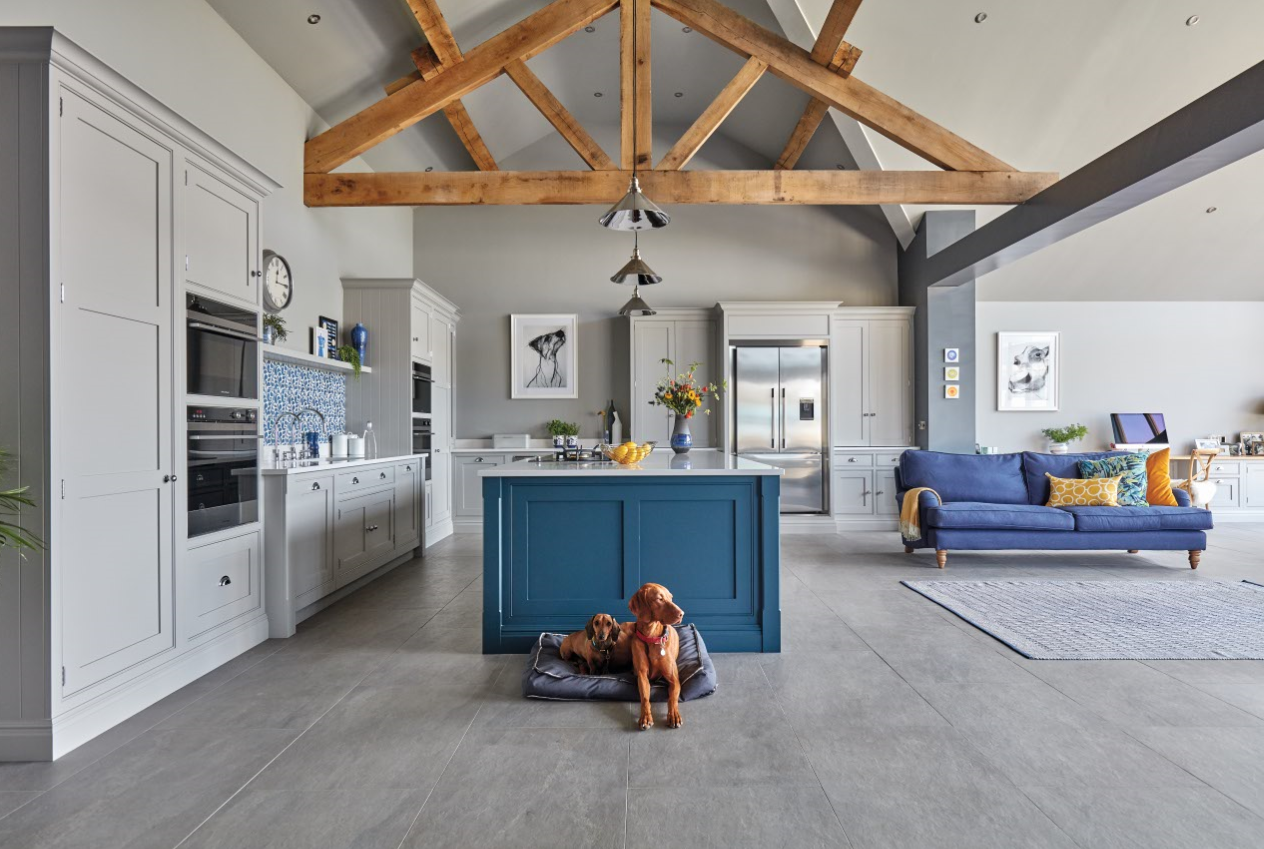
(1028,374)
(544,361)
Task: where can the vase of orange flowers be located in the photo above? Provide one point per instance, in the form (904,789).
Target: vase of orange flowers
(684,395)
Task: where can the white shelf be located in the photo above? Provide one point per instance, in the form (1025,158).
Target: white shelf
(275,352)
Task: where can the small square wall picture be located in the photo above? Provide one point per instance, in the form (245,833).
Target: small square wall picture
(952,373)
(952,391)
(543,353)
(952,355)
(1028,375)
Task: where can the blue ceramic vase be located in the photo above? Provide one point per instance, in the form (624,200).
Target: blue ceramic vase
(360,341)
(681,438)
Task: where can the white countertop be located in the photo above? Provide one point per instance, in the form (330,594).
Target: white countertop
(657,464)
(327,465)
(490,450)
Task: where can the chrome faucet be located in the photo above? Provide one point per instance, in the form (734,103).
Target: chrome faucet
(277,455)
(324,426)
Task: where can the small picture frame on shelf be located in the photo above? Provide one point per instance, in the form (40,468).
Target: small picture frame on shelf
(319,342)
(330,327)
(1250,437)
(1223,440)
(1205,443)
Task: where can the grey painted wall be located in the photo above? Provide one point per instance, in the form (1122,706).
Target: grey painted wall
(494,261)
(1198,364)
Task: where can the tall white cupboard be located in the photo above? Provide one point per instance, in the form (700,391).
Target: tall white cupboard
(104,192)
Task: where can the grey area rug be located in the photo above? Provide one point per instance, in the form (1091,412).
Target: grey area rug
(1111,620)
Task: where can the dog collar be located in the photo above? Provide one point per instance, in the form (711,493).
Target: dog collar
(653,641)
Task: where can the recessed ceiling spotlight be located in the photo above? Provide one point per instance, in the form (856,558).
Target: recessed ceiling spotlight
(429,168)
(313,19)
(598,94)
(1210,210)
(841,167)
(590,29)
(686,29)
(980,18)
(1192,21)
(680,94)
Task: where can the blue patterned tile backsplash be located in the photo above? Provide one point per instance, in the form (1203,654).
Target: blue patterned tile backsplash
(288,387)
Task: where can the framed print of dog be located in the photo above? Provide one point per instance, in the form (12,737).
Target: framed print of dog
(1028,376)
(543,353)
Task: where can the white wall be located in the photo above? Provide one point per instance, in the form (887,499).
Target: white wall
(1200,364)
(493,261)
(186,56)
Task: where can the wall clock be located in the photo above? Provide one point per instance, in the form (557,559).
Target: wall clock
(278,285)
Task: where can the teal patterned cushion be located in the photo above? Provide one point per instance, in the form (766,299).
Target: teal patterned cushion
(1131,470)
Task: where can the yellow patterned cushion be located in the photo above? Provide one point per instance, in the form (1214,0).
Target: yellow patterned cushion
(1083,492)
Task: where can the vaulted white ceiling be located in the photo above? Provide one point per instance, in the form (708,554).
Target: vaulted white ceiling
(1044,86)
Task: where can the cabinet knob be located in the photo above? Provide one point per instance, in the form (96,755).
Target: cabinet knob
(225,581)
(316,485)
(478,459)
(254,272)
(355,480)
(415,339)
(372,527)
(382,475)
(851,459)
(408,468)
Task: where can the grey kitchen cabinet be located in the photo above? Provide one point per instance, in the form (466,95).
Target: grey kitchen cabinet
(362,532)
(441,353)
(422,347)
(441,456)
(871,379)
(226,582)
(408,503)
(221,234)
(852,492)
(684,337)
(1253,485)
(468,490)
(884,493)
(309,526)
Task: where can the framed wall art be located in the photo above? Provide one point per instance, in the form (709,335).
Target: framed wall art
(544,362)
(1028,374)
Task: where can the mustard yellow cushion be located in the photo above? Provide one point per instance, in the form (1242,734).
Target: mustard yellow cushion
(1083,492)
(1159,477)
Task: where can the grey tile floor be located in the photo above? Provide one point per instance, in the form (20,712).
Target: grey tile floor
(886,722)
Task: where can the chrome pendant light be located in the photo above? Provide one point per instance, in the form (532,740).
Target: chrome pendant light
(635,211)
(638,273)
(636,306)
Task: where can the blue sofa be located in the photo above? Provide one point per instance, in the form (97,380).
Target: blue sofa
(997,501)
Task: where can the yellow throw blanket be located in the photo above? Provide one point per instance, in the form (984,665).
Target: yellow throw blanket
(910,514)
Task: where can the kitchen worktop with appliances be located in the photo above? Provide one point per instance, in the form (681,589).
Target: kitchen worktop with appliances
(297,467)
(659,464)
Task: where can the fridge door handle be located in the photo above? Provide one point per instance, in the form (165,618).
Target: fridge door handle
(783,418)
(772,438)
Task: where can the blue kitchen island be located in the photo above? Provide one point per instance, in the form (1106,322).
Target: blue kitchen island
(564,540)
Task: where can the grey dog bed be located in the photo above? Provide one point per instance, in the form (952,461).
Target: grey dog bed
(547,676)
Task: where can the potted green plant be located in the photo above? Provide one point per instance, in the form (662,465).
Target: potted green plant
(12,534)
(1060,438)
(274,329)
(684,396)
(565,434)
(350,355)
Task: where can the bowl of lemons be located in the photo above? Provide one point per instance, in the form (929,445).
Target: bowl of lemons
(629,453)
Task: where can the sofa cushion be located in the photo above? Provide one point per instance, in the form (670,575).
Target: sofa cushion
(1159,479)
(990,478)
(1083,492)
(1131,470)
(974,514)
(1140,518)
(1036,466)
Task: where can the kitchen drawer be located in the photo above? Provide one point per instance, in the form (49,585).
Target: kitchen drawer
(223,581)
(887,459)
(364,479)
(855,460)
(1223,468)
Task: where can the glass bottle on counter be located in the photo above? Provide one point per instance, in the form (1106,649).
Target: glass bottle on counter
(370,442)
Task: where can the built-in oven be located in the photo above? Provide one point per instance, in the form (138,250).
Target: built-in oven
(222,349)
(423,440)
(423,386)
(223,468)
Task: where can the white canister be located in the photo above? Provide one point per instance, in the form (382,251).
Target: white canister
(355,447)
(340,444)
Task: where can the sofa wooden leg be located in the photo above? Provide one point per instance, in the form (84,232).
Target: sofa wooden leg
(1134,551)
(941,557)
(1194,558)
(908,549)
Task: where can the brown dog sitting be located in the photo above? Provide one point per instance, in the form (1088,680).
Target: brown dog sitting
(654,646)
(593,645)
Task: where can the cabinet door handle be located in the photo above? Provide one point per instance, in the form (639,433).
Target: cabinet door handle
(382,475)
(415,339)
(225,581)
(478,459)
(372,527)
(408,468)
(316,485)
(355,480)
(851,460)
(864,497)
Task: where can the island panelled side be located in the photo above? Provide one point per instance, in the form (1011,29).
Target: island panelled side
(557,549)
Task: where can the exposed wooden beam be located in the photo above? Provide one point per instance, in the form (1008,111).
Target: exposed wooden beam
(436,30)
(1219,128)
(864,103)
(402,82)
(427,62)
(813,114)
(464,188)
(559,116)
(844,60)
(627,83)
(643,93)
(711,118)
(830,40)
(529,37)
(459,118)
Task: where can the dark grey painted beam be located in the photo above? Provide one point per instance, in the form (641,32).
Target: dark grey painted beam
(1217,129)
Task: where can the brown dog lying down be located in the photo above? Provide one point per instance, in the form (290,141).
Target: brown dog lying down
(593,645)
(652,644)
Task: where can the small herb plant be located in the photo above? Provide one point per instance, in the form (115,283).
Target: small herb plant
(350,355)
(1064,435)
(12,535)
(682,394)
(557,427)
(277,325)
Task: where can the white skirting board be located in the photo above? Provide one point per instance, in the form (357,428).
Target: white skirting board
(442,531)
(80,724)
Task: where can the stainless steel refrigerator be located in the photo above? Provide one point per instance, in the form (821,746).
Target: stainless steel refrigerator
(780,418)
